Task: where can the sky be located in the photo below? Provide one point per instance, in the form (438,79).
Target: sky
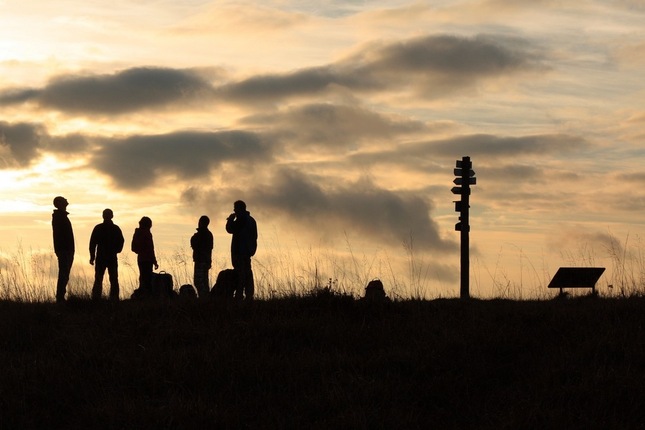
(339,124)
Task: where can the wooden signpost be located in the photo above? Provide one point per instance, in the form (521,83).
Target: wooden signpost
(465,177)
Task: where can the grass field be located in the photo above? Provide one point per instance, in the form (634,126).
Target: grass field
(323,360)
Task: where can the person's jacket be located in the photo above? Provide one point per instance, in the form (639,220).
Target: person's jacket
(202,244)
(143,245)
(245,235)
(63,233)
(106,240)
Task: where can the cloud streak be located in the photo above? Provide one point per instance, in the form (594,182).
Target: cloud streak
(136,162)
(123,92)
(376,214)
(434,65)
(20,142)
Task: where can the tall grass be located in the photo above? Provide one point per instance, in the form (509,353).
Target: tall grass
(30,275)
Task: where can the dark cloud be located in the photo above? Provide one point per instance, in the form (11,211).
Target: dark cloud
(486,145)
(513,173)
(377,214)
(20,143)
(436,65)
(123,92)
(428,156)
(496,146)
(138,161)
(17,96)
(453,55)
(333,126)
(432,65)
(70,144)
(632,177)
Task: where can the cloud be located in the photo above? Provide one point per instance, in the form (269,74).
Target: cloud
(590,243)
(70,144)
(514,173)
(20,142)
(423,155)
(497,146)
(434,65)
(230,18)
(377,214)
(334,127)
(138,161)
(126,91)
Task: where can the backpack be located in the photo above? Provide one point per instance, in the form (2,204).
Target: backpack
(225,284)
(375,290)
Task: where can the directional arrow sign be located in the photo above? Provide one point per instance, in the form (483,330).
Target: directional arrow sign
(459,181)
(458,190)
(459,171)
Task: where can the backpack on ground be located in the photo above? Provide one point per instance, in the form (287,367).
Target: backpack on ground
(162,285)
(225,284)
(374,290)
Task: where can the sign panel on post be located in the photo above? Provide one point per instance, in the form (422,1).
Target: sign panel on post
(465,177)
(460,181)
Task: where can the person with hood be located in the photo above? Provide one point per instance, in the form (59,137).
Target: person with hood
(106,242)
(243,246)
(63,245)
(202,244)
(143,246)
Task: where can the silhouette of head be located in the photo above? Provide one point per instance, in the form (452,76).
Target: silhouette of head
(108,214)
(239,207)
(60,202)
(145,222)
(203,221)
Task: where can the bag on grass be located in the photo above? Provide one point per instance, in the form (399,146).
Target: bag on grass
(225,284)
(162,284)
(375,290)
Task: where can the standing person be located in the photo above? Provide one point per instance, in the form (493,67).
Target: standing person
(143,246)
(106,242)
(202,244)
(243,246)
(63,245)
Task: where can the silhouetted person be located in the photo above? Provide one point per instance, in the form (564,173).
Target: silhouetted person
(202,244)
(243,246)
(106,242)
(143,246)
(63,245)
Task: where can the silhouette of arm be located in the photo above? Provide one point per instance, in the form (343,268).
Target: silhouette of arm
(120,240)
(231,225)
(93,244)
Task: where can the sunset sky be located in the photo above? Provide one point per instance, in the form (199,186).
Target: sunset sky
(339,123)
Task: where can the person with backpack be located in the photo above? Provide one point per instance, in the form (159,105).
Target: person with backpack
(106,242)
(202,244)
(143,246)
(244,243)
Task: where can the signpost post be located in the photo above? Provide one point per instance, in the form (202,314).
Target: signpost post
(465,177)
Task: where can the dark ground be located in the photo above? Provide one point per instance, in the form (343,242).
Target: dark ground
(324,362)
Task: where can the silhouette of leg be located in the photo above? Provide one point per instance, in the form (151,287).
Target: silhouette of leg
(145,277)
(249,287)
(65,261)
(99,271)
(242,266)
(113,273)
(200,278)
